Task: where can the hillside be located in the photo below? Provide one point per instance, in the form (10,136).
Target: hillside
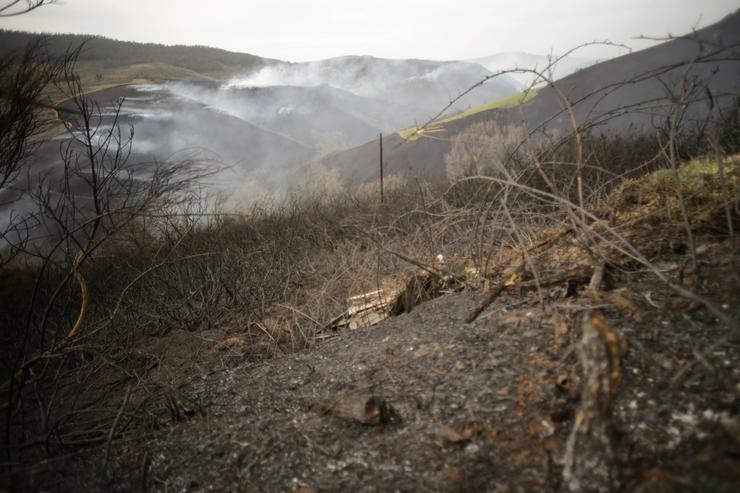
(626,95)
(266,132)
(616,381)
(262,118)
(519,60)
(407,91)
(169,127)
(270,119)
(322,106)
(106,55)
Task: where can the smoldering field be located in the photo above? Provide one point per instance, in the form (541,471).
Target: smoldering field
(263,127)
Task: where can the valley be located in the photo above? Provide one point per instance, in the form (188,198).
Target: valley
(266,119)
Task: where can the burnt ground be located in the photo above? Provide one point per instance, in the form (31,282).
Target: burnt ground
(425,401)
(428,402)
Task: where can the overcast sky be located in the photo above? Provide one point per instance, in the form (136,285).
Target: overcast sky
(299,30)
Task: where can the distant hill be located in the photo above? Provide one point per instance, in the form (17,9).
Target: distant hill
(264,117)
(270,116)
(111,54)
(320,117)
(626,95)
(410,90)
(171,127)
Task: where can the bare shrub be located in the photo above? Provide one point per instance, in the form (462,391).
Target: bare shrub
(482,149)
(80,208)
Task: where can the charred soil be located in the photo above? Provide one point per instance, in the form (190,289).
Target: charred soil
(426,401)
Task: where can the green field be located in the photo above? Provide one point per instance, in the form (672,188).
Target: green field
(507,102)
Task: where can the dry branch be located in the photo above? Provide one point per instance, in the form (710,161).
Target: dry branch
(590,462)
(495,292)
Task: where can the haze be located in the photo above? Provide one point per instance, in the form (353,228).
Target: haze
(299,30)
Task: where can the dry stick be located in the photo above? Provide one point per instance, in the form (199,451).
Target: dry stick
(18,376)
(494,294)
(679,189)
(579,143)
(619,243)
(381,167)
(84,293)
(115,424)
(30,5)
(267,332)
(297,311)
(420,265)
(525,253)
(678,103)
(145,473)
(559,277)
(681,373)
(589,459)
(538,164)
(725,193)
(426,223)
(597,278)
(334,322)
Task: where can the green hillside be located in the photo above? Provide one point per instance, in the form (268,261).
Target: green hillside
(507,102)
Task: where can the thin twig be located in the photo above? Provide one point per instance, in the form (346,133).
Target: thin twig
(115,425)
(525,253)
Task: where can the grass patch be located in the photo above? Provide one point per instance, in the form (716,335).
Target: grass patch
(701,183)
(507,102)
(698,176)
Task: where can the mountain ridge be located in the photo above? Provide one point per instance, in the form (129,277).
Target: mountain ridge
(499,62)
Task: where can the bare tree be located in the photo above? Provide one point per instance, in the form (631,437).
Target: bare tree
(26,114)
(78,207)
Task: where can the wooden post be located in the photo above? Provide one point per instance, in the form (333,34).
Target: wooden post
(381,167)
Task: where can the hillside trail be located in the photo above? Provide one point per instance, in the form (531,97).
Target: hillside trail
(615,382)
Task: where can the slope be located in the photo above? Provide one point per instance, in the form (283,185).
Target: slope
(626,95)
(410,90)
(432,401)
(508,61)
(109,53)
(167,126)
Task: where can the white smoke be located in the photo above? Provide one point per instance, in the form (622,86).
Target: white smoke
(298,75)
(526,61)
(361,75)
